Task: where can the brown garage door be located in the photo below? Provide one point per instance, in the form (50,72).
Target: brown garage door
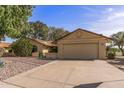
(80,51)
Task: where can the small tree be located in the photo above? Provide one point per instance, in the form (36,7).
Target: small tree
(119,41)
(22,47)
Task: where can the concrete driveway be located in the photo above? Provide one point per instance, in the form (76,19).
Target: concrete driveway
(67,73)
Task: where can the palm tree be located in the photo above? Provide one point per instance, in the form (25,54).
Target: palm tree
(118,39)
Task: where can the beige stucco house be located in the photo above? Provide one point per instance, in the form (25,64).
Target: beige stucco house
(82,44)
(79,44)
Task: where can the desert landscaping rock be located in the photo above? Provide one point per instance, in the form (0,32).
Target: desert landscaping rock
(16,65)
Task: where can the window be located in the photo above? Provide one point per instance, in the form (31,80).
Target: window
(34,48)
(53,49)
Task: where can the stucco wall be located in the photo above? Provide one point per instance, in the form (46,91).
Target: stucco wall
(51,55)
(102,49)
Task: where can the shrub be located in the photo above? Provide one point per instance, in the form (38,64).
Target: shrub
(114,50)
(1,63)
(40,56)
(111,55)
(22,47)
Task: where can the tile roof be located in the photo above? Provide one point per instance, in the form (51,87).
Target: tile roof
(44,42)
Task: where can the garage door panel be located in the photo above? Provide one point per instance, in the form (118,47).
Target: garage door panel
(80,51)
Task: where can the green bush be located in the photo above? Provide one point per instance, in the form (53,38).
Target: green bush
(115,50)
(41,55)
(110,50)
(1,63)
(22,47)
(111,55)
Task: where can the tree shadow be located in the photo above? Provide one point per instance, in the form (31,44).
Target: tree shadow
(117,61)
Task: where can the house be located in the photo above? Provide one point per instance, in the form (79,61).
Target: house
(82,44)
(40,46)
(4,44)
(79,44)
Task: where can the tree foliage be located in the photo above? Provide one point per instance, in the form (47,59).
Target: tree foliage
(119,41)
(56,33)
(38,30)
(22,47)
(13,19)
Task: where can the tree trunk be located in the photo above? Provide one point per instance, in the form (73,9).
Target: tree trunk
(122,52)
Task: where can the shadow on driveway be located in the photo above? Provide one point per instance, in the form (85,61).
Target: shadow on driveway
(118,62)
(91,85)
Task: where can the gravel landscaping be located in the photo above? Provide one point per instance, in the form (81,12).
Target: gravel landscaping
(15,65)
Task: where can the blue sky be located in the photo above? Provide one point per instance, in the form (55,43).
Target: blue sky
(100,19)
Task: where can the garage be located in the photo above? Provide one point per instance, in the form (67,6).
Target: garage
(82,44)
(80,51)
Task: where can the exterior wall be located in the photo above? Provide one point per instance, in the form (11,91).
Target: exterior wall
(81,38)
(51,55)
(35,54)
(60,51)
(102,50)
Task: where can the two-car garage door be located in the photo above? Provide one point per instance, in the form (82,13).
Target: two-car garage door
(80,51)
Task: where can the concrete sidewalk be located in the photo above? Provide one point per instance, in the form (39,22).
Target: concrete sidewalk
(67,73)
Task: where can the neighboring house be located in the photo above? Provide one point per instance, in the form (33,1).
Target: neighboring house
(4,45)
(80,44)
(40,46)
